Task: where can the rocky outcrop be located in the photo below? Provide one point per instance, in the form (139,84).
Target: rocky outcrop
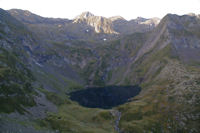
(100,24)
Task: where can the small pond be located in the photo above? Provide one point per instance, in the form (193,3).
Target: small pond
(104,97)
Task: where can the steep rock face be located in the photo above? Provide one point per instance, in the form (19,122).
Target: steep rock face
(100,24)
(160,33)
(185,36)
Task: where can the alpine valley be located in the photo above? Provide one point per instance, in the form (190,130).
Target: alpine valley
(95,74)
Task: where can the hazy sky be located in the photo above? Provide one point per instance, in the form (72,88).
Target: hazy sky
(128,9)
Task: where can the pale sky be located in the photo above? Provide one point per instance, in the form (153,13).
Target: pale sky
(129,9)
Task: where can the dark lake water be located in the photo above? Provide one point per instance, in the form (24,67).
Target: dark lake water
(104,97)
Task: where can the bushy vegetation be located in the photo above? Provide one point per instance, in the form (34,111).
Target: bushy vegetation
(16,84)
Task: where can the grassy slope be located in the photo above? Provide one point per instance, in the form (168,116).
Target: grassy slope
(74,118)
(16,84)
(167,98)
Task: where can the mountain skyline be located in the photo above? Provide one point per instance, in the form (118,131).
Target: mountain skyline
(112,18)
(127,9)
(89,23)
(89,14)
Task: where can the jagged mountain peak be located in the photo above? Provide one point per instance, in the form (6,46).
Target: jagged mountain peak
(99,23)
(85,15)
